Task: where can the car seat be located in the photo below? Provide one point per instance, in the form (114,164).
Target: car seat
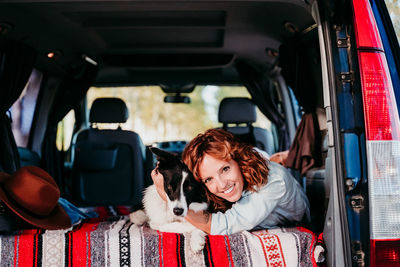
(108,165)
(241,110)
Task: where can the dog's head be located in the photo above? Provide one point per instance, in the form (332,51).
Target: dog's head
(182,190)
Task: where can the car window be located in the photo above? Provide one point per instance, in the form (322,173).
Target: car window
(22,111)
(393,7)
(390,35)
(65,130)
(156,121)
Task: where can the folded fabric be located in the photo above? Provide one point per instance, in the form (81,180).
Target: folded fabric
(74,213)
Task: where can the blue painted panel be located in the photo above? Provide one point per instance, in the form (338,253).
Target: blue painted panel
(346,112)
(352,156)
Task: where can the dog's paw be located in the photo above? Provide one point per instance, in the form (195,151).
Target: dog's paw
(197,240)
(138,217)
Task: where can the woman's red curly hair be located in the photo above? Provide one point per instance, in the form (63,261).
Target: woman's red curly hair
(222,145)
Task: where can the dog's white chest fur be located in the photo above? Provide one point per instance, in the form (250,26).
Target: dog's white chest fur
(160,217)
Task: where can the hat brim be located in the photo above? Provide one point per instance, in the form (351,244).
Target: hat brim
(57,219)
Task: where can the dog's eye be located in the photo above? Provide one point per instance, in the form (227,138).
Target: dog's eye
(169,187)
(189,187)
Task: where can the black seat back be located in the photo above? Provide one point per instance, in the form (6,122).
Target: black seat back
(241,110)
(108,165)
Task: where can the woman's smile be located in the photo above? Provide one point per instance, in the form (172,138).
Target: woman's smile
(229,190)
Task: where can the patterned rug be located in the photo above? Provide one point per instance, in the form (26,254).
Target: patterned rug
(117,242)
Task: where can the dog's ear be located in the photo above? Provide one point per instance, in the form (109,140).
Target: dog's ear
(162,154)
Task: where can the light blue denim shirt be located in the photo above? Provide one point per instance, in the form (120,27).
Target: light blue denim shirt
(281,201)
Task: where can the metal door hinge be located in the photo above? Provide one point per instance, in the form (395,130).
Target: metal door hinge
(357,202)
(346,77)
(343,42)
(358,254)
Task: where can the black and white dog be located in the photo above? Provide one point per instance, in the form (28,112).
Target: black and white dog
(183,192)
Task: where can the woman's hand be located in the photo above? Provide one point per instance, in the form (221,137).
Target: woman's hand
(158,180)
(200,219)
(280,157)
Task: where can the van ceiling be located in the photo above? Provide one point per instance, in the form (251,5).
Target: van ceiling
(151,41)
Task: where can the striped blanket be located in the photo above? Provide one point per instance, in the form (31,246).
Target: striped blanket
(117,242)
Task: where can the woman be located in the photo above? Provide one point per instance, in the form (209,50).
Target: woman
(248,191)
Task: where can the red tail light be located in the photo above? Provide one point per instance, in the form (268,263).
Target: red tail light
(383,140)
(387,253)
(381,118)
(367,34)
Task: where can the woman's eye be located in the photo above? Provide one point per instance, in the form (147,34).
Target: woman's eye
(225,169)
(207,180)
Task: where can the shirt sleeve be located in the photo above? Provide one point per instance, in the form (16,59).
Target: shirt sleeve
(252,209)
(263,153)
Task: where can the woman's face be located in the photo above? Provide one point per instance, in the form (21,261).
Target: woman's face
(222,178)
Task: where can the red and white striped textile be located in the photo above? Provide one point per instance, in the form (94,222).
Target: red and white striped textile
(117,242)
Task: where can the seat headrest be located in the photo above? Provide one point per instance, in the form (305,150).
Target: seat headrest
(108,110)
(237,110)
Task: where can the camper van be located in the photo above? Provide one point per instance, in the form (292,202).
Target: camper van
(86,87)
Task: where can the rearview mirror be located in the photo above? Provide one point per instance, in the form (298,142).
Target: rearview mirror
(177,99)
(174,90)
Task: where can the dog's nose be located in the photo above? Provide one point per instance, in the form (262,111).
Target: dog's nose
(178,211)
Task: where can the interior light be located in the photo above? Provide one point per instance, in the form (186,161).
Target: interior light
(89,60)
(54,54)
(290,27)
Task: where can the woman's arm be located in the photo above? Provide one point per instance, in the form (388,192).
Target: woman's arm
(280,157)
(251,210)
(200,219)
(245,214)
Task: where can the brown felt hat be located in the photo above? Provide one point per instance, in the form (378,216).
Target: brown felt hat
(33,195)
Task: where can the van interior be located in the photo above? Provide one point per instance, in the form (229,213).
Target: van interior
(89,86)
